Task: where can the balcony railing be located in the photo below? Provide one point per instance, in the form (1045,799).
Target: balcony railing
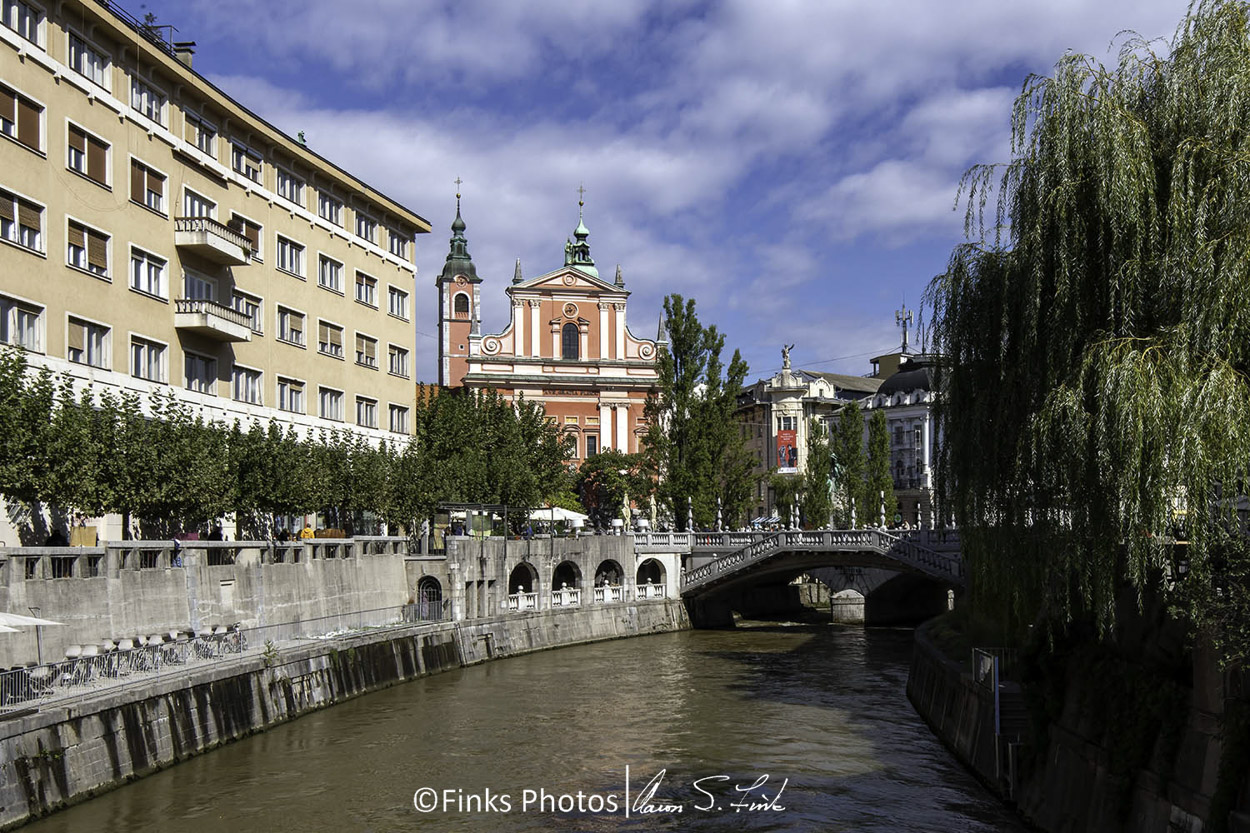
(211,319)
(212,240)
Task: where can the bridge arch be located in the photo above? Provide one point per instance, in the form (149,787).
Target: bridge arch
(566,574)
(523,579)
(609,572)
(651,571)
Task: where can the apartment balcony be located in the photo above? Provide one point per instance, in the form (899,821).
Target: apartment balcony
(211,240)
(211,319)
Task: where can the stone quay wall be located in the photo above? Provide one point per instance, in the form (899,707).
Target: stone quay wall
(59,756)
(1070,789)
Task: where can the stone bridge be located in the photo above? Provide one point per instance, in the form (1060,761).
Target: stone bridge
(727,571)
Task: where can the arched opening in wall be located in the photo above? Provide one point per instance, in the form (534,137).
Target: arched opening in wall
(567,576)
(569,339)
(609,573)
(650,572)
(460,305)
(523,579)
(429,599)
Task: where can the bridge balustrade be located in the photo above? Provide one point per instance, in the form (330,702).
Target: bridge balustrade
(523,601)
(609,593)
(568,597)
(645,592)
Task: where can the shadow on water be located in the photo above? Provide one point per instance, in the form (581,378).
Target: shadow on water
(821,708)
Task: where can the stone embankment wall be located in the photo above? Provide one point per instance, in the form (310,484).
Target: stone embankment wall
(140,588)
(64,755)
(1071,789)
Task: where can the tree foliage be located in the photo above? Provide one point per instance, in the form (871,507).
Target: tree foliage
(880,486)
(1098,335)
(607,480)
(818,475)
(694,447)
(851,465)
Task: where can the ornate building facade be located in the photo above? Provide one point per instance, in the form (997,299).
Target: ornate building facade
(567,345)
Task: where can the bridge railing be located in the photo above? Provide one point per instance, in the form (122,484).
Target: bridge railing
(943,565)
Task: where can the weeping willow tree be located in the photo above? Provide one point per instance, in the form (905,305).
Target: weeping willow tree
(1097,332)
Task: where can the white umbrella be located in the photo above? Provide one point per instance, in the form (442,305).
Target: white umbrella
(19,619)
(556,513)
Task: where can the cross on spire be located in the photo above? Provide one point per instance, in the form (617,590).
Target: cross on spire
(458,180)
(581,200)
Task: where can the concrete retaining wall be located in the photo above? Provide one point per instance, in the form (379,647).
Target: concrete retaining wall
(60,756)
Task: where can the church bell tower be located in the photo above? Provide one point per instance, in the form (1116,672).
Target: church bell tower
(459,299)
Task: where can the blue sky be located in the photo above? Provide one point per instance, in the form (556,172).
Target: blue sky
(790,165)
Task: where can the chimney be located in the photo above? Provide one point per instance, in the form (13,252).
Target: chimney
(184,50)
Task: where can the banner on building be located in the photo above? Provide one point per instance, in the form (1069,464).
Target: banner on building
(787,452)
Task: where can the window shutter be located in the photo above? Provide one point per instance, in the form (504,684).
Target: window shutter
(371,350)
(77,335)
(190,130)
(29,215)
(138,177)
(8,105)
(323,333)
(96,156)
(28,123)
(295,323)
(76,236)
(156,182)
(77,139)
(97,250)
(6,207)
(336,338)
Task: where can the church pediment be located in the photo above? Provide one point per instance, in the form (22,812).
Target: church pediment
(569,279)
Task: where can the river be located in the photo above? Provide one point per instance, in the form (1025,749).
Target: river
(761,729)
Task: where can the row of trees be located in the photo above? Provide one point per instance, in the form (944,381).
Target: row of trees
(167,469)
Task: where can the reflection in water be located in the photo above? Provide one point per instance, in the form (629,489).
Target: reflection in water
(821,709)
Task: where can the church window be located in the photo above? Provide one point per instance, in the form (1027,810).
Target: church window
(460,305)
(569,341)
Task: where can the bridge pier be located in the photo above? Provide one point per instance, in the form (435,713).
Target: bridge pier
(710,613)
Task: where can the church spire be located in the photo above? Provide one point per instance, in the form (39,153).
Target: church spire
(578,254)
(459,262)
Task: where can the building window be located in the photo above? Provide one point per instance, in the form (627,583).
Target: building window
(290,395)
(21,118)
(290,257)
(366,351)
(201,134)
(366,412)
(198,287)
(197,205)
(366,289)
(245,385)
(366,227)
(201,372)
(399,419)
(329,209)
(460,306)
(87,155)
(147,101)
(87,249)
(147,187)
(787,423)
(290,187)
(331,403)
(147,273)
(569,339)
(252,307)
(329,339)
(88,61)
(398,243)
(21,222)
(21,324)
(246,162)
(252,231)
(291,326)
(87,343)
(397,360)
(147,359)
(397,302)
(329,273)
(24,19)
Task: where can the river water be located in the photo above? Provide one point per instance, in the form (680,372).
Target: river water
(701,716)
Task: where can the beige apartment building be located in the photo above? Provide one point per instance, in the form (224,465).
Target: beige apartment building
(156,235)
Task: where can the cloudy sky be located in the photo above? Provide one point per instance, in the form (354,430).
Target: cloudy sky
(790,164)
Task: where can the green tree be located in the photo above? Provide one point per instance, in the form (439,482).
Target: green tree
(848,451)
(606,480)
(817,504)
(1097,336)
(880,487)
(694,448)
